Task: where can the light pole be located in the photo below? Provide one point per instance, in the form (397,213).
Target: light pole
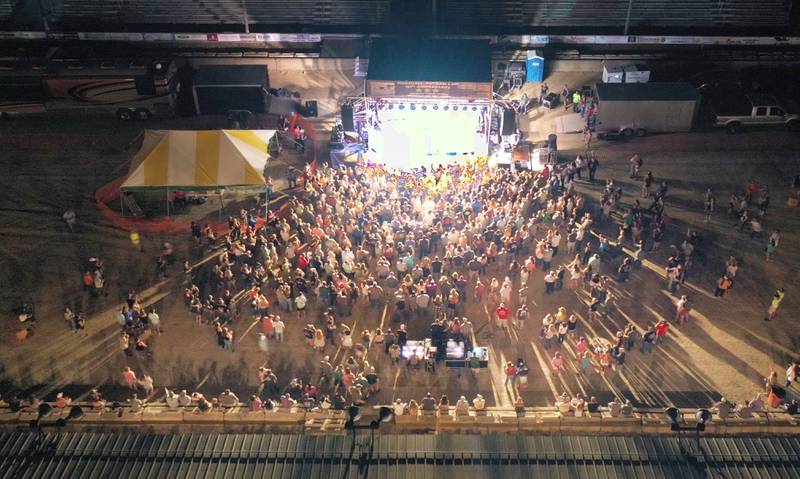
(703,416)
(628,16)
(354,414)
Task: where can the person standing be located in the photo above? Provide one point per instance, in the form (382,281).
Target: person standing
(772,243)
(723,285)
(661,331)
(777,298)
(710,204)
(278,326)
(155,321)
(522,315)
(592,166)
(69,218)
(147,385)
(565,99)
(557,363)
(501,316)
(130,378)
(511,373)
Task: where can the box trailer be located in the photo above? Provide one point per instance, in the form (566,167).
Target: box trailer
(221,88)
(630,109)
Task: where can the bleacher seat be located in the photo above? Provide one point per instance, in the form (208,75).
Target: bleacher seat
(612,13)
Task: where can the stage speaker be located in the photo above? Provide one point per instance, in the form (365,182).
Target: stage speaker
(509,122)
(347,118)
(552,141)
(311,109)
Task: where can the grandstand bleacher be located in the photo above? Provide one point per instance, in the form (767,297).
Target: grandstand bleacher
(612,13)
(452,16)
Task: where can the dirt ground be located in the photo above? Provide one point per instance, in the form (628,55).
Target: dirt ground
(49,164)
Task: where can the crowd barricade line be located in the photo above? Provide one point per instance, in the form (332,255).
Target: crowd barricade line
(490,420)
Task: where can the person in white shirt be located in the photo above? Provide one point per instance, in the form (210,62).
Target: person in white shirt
(300,304)
(462,406)
(479,403)
(184,399)
(155,321)
(278,326)
(171,398)
(399,407)
(555,240)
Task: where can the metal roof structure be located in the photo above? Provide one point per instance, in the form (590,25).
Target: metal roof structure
(142,455)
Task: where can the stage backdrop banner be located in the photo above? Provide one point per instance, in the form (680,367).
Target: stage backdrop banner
(429,89)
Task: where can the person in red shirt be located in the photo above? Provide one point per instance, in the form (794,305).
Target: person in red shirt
(661,331)
(479,291)
(502,314)
(511,373)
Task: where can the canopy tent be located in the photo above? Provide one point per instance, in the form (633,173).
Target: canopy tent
(199,160)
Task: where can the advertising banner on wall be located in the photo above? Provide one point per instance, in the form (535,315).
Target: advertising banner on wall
(429,89)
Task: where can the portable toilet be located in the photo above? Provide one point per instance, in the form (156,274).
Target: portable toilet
(535,66)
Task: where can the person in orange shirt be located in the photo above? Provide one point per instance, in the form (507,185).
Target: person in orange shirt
(723,285)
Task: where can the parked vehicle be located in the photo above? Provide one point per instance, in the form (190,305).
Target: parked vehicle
(129,88)
(637,109)
(734,114)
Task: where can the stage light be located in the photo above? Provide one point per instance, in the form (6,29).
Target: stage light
(703,416)
(455,107)
(424,107)
(474,108)
(354,413)
(391,107)
(435,107)
(413,106)
(402,107)
(446,107)
(44,410)
(386,413)
(673,414)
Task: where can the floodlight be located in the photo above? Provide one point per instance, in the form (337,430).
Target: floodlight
(76,412)
(45,409)
(673,414)
(385,413)
(703,417)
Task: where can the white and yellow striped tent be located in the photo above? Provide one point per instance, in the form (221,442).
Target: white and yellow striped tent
(191,160)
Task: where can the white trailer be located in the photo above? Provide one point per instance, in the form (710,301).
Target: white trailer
(637,109)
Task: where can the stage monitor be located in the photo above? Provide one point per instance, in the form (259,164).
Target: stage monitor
(509,122)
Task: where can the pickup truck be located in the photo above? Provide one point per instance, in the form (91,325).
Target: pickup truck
(756,112)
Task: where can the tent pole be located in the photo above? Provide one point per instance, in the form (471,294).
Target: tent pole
(121,203)
(167,202)
(221,202)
